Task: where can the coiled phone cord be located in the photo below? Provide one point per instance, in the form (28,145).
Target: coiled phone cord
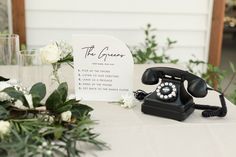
(209,111)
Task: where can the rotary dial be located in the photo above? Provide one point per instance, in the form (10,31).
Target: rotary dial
(166,91)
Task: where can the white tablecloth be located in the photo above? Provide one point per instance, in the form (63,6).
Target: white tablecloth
(130,133)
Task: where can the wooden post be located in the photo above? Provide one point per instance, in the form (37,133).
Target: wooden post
(18,19)
(217,32)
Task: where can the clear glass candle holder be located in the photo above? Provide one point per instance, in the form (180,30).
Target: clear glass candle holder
(9,51)
(30,68)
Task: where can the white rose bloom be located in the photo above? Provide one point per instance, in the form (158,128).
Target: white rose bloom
(28,97)
(4,97)
(50,53)
(4,128)
(66,116)
(128,101)
(19,104)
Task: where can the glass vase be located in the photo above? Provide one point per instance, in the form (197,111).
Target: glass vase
(9,51)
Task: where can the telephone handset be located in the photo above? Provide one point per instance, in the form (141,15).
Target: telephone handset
(170,99)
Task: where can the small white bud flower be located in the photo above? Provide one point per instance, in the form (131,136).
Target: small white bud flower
(48,152)
(40,147)
(66,116)
(4,128)
(127,101)
(44,144)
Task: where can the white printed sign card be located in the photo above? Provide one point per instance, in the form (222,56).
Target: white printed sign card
(103,68)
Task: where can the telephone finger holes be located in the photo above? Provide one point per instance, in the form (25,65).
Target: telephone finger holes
(166,91)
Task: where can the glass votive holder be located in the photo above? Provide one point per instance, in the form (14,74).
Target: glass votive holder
(30,68)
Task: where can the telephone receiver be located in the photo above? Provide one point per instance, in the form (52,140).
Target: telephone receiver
(170,99)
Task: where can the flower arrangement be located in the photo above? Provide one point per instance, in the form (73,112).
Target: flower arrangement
(33,125)
(55,54)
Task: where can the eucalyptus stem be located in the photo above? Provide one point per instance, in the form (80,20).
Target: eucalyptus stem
(70,65)
(56,66)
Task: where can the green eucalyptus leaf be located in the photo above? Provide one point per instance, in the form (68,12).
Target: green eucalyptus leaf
(63,90)
(5,104)
(38,89)
(53,101)
(66,106)
(80,110)
(38,92)
(72,102)
(63,108)
(18,95)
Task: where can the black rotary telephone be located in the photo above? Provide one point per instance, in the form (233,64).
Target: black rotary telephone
(170,99)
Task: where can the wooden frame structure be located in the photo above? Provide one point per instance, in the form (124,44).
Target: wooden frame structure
(217,28)
(18,19)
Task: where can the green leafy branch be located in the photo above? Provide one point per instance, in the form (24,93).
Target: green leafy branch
(147,52)
(214,76)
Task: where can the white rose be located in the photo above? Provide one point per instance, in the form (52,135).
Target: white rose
(28,97)
(66,116)
(127,101)
(19,104)
(4,97)
(4,128)
(50,53)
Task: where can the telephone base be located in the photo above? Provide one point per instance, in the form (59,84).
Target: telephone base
(177,110)
(167,114)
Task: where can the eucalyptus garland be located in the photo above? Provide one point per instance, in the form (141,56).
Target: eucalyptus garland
(29,127)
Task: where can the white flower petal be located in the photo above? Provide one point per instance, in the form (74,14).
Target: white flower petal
(4,128)
(66,116)
(50,53)
(128,101)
